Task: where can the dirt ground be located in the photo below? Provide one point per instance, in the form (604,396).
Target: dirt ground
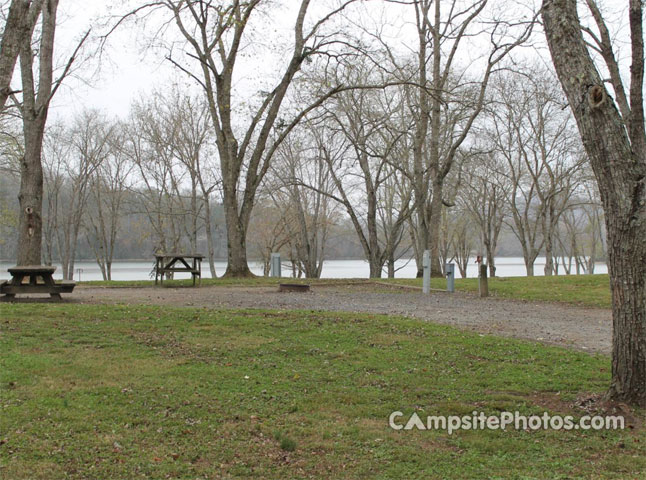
(586,329)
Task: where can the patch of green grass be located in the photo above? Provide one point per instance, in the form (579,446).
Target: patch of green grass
(90,391)
(584,290)
(286,443)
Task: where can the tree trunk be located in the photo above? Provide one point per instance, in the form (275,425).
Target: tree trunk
(391,264)
(73,245)
(194,215)
(422,234)
(616,148)
(237,252)
(209,236)
(237,265)
(375,255)
(436,230)
(102,267)
(31,192)
(627,267)
(34,117)
(491,262)
(549,254)
(529,266)
(375,268)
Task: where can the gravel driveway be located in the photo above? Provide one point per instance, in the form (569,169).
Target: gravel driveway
(587,329)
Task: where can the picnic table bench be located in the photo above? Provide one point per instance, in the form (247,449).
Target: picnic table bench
(34,279)
(178,262)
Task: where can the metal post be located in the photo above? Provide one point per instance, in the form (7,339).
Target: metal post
(275,265)
(450,277)
(483,283)
(426,264)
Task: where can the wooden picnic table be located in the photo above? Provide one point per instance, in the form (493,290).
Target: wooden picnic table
(34,279)
(178,262)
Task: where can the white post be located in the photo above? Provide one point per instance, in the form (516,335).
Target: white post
(274,269)
(450,277)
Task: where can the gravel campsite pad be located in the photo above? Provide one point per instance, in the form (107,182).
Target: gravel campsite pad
(586,329)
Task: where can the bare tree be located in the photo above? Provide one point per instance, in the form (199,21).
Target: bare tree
(612,129)
(484,196)
(149,144)
(580,236)
(512,142)
(460,238)
(448,99)
(298,164)
(188,119)
(595,227)
(365,133)
(393,200)
(536,139)
(89,138)
(55,182)
(567,237)
(109,186)
(270,229)
(554,159)
(215,34)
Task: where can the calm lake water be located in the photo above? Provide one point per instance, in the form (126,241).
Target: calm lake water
(140,270)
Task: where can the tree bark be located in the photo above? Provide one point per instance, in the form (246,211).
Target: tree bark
(34,112)
(209,234)
(236,239)
(436,229)
(30,198)
(548,233)
(529,266)
(615,146)
(420,234)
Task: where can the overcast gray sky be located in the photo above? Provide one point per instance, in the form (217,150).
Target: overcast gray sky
(125,70)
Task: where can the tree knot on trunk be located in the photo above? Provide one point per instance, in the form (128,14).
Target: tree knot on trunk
(596,96)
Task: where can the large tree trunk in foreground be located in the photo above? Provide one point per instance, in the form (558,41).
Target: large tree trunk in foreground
(627,257)
(616,145)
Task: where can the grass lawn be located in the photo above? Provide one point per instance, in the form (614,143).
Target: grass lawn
(107,392)
(584,290)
